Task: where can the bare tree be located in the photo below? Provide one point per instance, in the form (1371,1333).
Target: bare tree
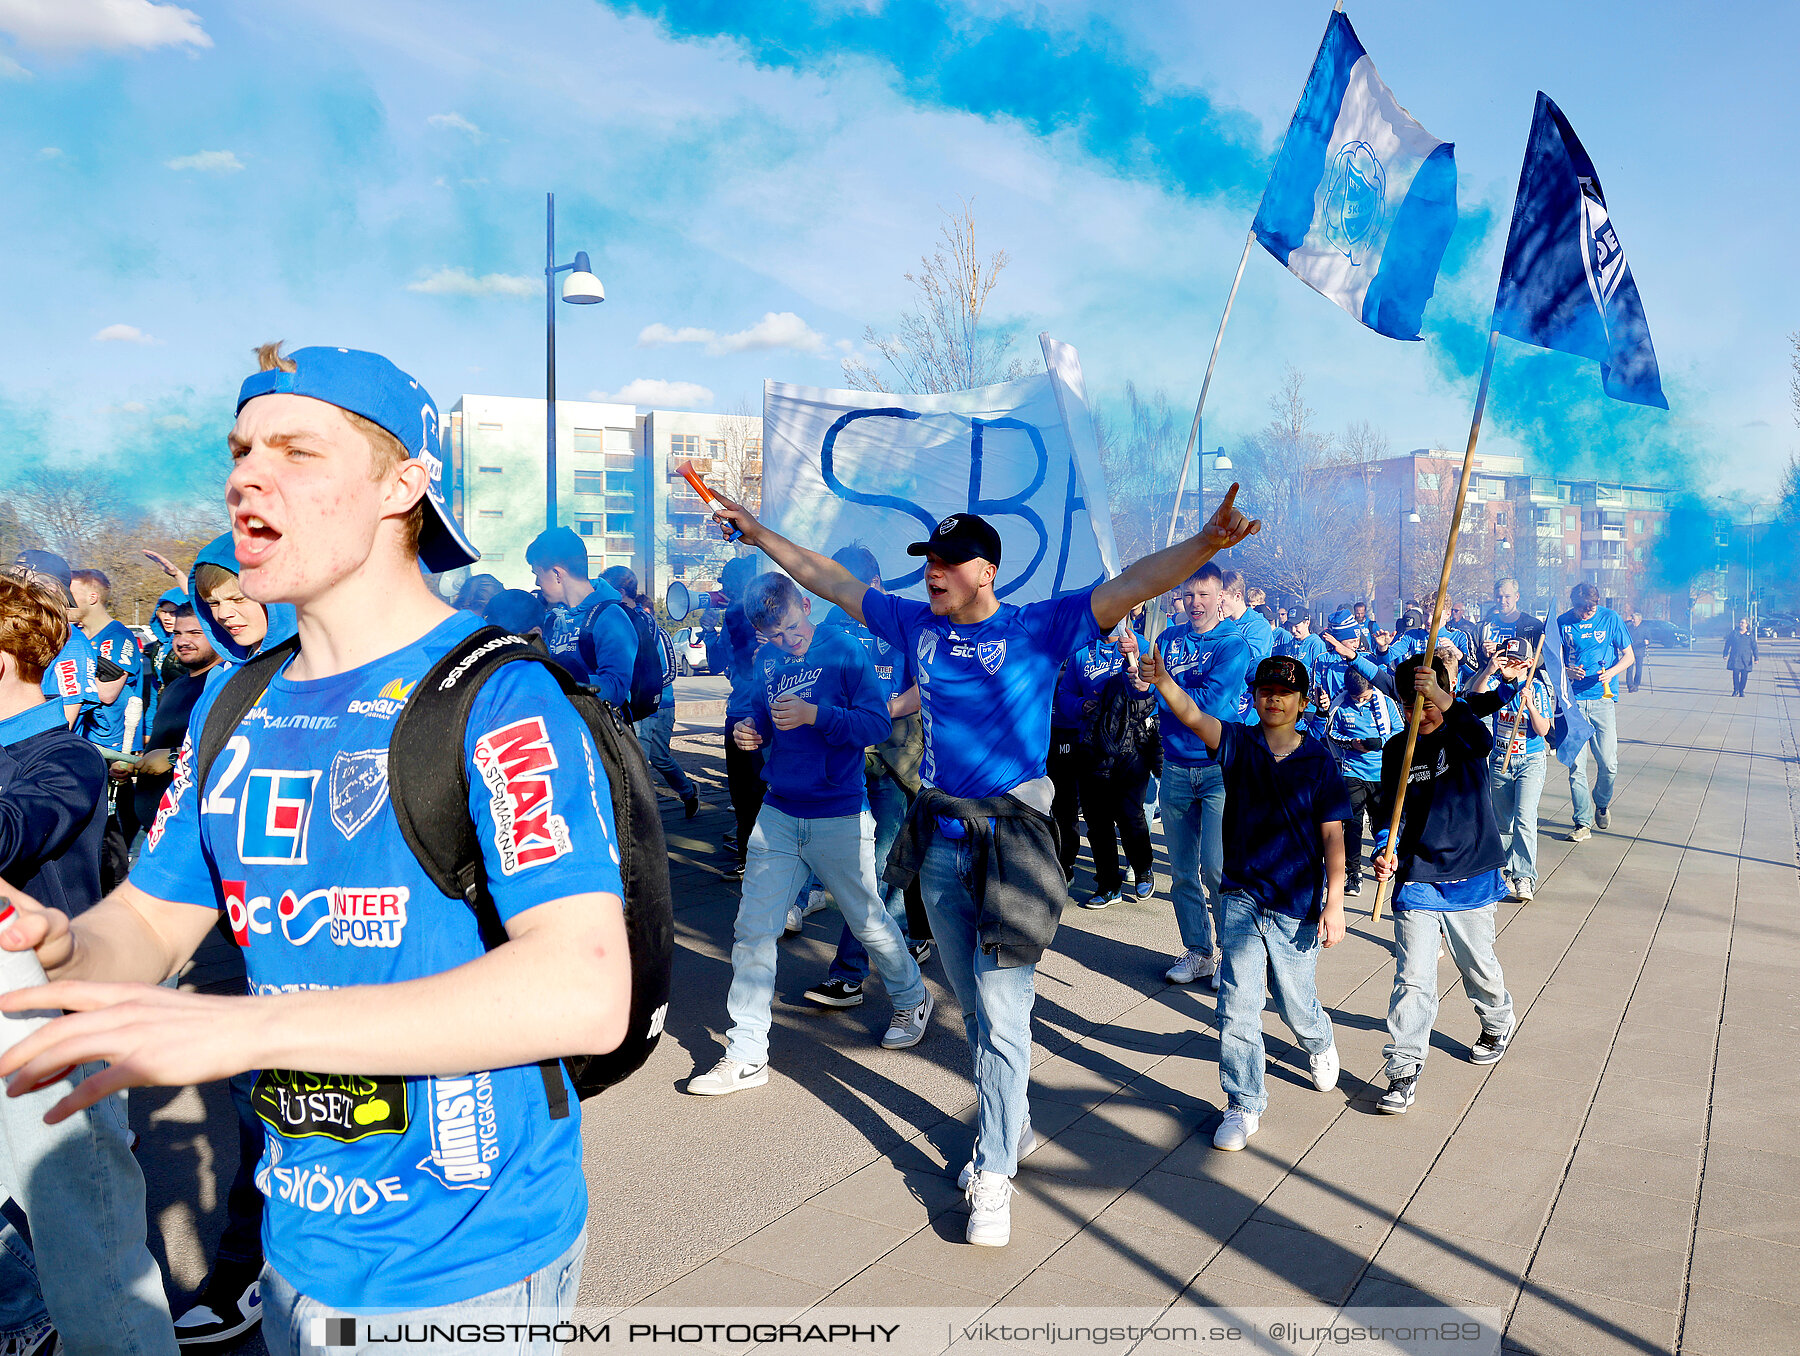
(943,345)
(1794,376)
(1141,455)
(733,466)
(68,510)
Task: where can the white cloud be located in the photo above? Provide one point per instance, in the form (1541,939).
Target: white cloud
(655,393)
(459,282)
(454,122)
(105,25)
(777,329)
(12,70)
(207,162)
(50,153)
(122,334)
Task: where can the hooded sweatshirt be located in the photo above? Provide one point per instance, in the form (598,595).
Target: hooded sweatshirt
(283,621)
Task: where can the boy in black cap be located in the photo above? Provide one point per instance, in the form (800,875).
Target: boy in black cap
(1285,807)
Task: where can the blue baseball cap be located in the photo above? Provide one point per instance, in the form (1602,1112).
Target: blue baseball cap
(369,385)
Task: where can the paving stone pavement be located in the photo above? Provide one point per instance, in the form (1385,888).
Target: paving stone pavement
(1623,1181)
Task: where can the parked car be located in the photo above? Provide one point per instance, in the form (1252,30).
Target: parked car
(690,652)
(1667,634)
(1778,624)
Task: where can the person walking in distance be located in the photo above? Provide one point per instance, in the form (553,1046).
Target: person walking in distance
(1639,672)
(980,836)
(416,1164)
(655,731)
(1520,758)
(1596,650)
(593,636)
(1741,654)
(1209,659)
(1283,883)
(743,766)
(818,706)
(1358,724)
(1112,768)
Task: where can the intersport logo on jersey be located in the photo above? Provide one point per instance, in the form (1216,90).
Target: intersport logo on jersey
(514,762)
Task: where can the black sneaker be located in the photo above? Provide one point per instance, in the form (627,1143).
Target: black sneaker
(835,993)
(1101,899)
(735,871)
(1399,1095)
(228,1306)
(921,951)
(1491,1045)
(690,806)
(48,1345)
(1352,888)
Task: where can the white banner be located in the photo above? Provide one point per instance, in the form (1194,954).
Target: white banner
(864,466)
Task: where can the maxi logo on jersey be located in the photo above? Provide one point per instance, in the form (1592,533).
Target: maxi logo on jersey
(274,816)
(68,678)
(513,762)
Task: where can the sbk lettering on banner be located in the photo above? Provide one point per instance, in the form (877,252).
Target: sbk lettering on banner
(514,762)
(465,1131)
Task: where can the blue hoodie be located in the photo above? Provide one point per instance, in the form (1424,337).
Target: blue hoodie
(612,641)
(283,621)
(816,771)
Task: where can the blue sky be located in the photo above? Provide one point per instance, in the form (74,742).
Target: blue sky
(752,178)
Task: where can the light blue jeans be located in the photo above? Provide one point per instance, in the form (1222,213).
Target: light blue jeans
(1604,717)
(1193,822)
(1259,943)
(996,1004)
(841,852)
(654,733)
(82,1197)
(888,803)
(293,1324)
(1516,792)
(1412,1008)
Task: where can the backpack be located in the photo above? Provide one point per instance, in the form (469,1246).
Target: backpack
(646,671)
(1123,729)
(429,789)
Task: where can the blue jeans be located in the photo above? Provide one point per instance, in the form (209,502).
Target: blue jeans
(1412,1008)
(996,1004)
(1604,717)
(292,1323)
(888,802)
(1193,820)
(841,852)
(1516,792)
(86,1267)
(654,733)
(1258,942)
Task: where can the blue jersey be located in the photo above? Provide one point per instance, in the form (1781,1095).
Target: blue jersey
(893,663)
(1496,631)
(106,727)
(71,681)
(1593,645)
(816,771)
(1349,721)
(985,689)
(596,642)
(1213,668)
(1095,664)
(384,1190)
(1257,633)
(1525,742)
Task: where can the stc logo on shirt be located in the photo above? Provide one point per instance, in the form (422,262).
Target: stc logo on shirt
(274,817)
(514,761)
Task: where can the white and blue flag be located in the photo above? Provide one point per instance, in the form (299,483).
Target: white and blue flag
(1363,199)
(1565,284)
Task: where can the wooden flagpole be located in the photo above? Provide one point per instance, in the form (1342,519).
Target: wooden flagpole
(1524,696)
(1437,613)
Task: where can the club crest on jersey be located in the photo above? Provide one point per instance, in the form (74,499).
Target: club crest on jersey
(357,789)
(991,653)
(514,762)
(274,816)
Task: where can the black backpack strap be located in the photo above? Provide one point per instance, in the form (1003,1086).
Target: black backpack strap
(242,691)
(428,785)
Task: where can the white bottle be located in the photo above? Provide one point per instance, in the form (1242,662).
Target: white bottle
(19,970)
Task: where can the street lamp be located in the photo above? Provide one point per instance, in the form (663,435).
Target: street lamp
(1221,462)
(1411,517)
(580,288)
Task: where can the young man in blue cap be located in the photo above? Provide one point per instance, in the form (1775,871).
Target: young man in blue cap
(593,636)
(818,706)
(428,1178)
(980,837)
(1283,886)
(1596,649)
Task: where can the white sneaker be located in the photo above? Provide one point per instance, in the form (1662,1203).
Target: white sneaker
(815,901)
(1028,1141)
(1325,1069)
(907,1026)
(990,1211)
(1235,1129)
(793,920)
(1217,973)
(1579,834)
(1194,964)
(1523,888)
(728,1076)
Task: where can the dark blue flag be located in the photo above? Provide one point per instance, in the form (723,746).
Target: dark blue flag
(1565,284)
(1570,730)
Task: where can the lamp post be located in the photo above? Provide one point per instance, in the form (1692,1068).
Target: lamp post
(582,288)
(1411,516)
(1221,462)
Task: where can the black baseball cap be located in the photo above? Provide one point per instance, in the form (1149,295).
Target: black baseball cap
(1282,670)
(961,537)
